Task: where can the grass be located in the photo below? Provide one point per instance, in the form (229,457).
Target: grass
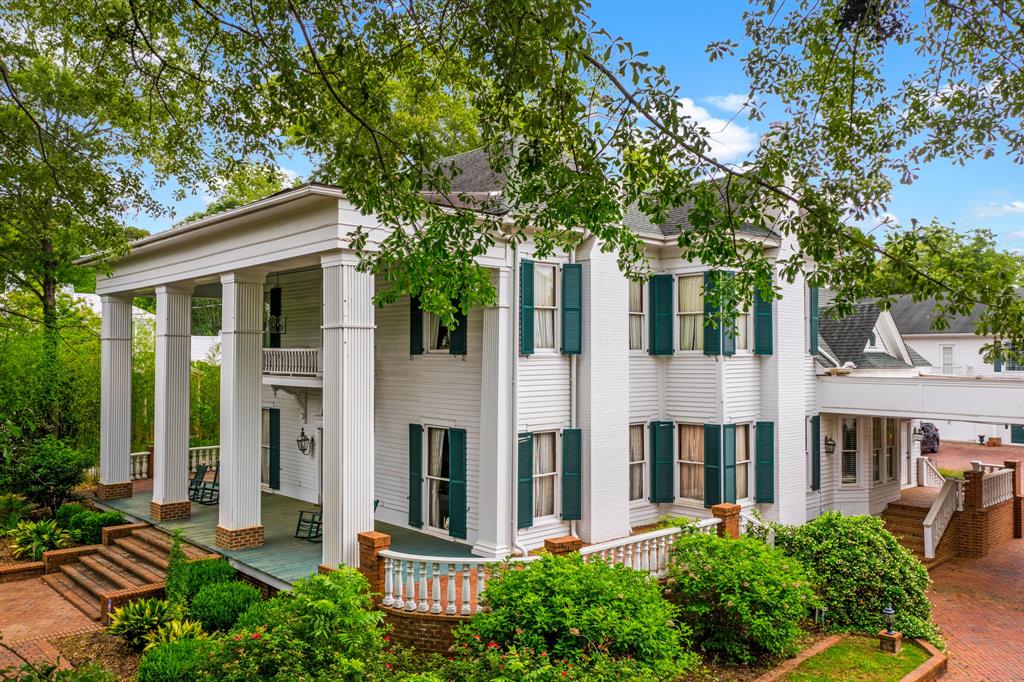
(858,659)
(951,473)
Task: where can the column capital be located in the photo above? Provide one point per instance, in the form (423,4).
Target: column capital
(174,288)
(339,258)
(243,277)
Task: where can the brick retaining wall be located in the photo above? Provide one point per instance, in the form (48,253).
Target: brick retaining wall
(430,632)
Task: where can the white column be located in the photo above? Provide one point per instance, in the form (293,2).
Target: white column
(240,522)
(603,403)
(495,465)
(115,397)
(171,408)
(348,487)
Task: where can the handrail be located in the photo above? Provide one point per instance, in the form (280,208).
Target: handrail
(208,455)
(977,465)
(140,465)
(292,361)
(996,487)
(947,502)
(749,520)
(648,551)
(928,475)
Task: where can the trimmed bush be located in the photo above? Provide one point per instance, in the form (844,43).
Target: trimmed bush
(135,620)
(859,569)
(185,578)
(29,539)
(567,608)
(179,661)
(219,605)
(68,511)
(87,526)
(173,631)
(742,598)
(48,474)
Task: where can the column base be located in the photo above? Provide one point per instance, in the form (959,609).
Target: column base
(114,491)
(240,538)
(498,553)
(169,511)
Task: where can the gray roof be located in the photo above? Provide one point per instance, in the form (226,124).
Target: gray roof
(847,336)
(876,360)
(915,357)
(916,317)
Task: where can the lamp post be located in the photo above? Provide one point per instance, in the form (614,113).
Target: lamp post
(888,639)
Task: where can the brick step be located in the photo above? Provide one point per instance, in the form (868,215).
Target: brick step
(121,576)
(917,530)
(161,542)
(146,572)
(890,513)
(91,582)
(73,593)
(143,551)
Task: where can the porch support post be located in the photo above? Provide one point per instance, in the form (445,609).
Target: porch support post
(348,476)
(240,523)
(495,465)
(115,398)
(171,409)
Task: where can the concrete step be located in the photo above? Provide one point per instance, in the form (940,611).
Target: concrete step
(120,576)
(144,551)
(73,593)
(146,572)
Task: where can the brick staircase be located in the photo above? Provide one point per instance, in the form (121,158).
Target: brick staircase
(906,522)
(131,563)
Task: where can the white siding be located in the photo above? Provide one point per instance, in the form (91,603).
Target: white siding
(742,388)
(691,389)
(301,301)
(300,408)
(543,396)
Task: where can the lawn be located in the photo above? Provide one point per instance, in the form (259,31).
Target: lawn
(858,659)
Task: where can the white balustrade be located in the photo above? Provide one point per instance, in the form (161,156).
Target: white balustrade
(208,455)
(140,465)
(292,361)
(928,474)
(749,523)
(985,467)
(947,502)
(649,551)
(996,487)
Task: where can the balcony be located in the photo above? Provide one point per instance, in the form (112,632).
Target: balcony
(292,366)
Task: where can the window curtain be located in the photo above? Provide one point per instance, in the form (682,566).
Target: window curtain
(742,461)
(691,325)
(436,469)
(544,485)
(436,333)
(636,459)
(544,303)
(691,471)
(636,322)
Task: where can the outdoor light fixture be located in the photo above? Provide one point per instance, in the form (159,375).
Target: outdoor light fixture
(890,618)
(918,434)
(304,442)
(830,445)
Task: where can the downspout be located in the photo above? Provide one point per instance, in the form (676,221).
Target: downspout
(573,391)
(514,409)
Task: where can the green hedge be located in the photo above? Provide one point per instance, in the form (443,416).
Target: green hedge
(218,606)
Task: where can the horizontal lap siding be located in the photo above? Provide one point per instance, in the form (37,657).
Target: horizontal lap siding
(301,303)
(691,392)
(644,401)
(742,389)
(300,474)
(543,395)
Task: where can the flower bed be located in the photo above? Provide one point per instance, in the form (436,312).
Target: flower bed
(857,657)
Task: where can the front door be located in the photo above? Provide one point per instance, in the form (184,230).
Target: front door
(437,479)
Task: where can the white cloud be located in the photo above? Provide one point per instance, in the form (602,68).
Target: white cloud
(993,210)
(729,140)
(731,103)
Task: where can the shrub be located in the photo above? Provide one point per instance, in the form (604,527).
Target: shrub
(173,581)
(859,569)
(68,511)
(29,539)
(742,598)
(219,605)
(185,578)
(174,630)
(13,509)
(952,473)
(276,655)
(87,526)
(48,474)
(179,661)
(568,608)
(136,619)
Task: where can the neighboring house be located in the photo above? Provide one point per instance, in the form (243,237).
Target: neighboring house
(579,403)
(955,351)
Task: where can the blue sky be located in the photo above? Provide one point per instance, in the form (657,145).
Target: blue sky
(986,194)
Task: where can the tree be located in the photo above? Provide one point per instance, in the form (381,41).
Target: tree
(244,184)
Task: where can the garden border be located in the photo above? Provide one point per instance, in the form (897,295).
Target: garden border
(21,571)
(930,670)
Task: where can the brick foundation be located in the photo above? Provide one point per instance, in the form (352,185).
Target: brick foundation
(114,491)
(371,565)
(983,529)
(111,533)
(567,544)
(730,515)
(240,538)
(55,558)
(169,511)
(429,632)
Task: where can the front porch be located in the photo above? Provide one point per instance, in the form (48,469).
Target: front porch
(283,558)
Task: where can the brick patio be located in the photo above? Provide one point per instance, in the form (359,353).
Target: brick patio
(959,455)
(31,614)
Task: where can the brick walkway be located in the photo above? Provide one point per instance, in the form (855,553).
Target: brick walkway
(31,614)
(959,455)
(979,605)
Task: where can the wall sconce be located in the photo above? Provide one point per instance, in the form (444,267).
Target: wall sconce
(830,445)
(918,435)
(304,442)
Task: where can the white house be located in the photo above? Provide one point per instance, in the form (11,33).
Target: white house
(579,403)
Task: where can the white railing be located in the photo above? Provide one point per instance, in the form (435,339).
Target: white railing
(949,501)
(749,523)
(987,468)
(949,371)
(207,454)
(928,475)
(140,465)
(996,487)
(436,584)
(649,551)
(292,361)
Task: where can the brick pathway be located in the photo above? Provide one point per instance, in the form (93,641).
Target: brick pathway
(31,614)
(979,605)
(959,455)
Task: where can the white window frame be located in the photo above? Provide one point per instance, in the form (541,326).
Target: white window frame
(843,451)
(748,462)
(640,463)
(680,462)
(745,321)
(428,343)
(877,450)
(425,504)
(952,357)
(556,475)
(642,314)
(265,445)
(680,314)
(890,443)
(556,323)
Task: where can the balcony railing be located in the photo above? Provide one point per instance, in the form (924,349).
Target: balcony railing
(296,362)
(142,462)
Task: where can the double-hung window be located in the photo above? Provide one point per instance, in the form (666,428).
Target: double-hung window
(744,329)
(637,461)
(437,336)
(690,460)
(877,433)
(742,461)
(890,449)
(438,478)
(545,306)
(545,474)
(690,312)
(849,451)
(636,315)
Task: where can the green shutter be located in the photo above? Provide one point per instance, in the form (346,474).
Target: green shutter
(814,318)
(729,463)
(572,309)
(762,325)
(659,293)
(712,464)
(815,452)
(415,327)
(415,475)
(274,337)
(764,462)
(572,478)
(524,481)
(526,307)
(457,336)
(712,334)
(274,419)
(1017,433)
(662,440)
(457,483)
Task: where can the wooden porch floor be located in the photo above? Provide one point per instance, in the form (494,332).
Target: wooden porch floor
(282,556)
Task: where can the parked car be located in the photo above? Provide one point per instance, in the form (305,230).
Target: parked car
(930,440)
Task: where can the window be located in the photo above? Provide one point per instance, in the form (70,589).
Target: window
(437,478)
(691,312)
(437,336)
(637,462)
(876,448)
(545,474)
(743,330)
(544,306)
(948,359)
(849,453)
(1014,360)
(890,449)
(691,461)
(636,315)
(742,461)
(265,447)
